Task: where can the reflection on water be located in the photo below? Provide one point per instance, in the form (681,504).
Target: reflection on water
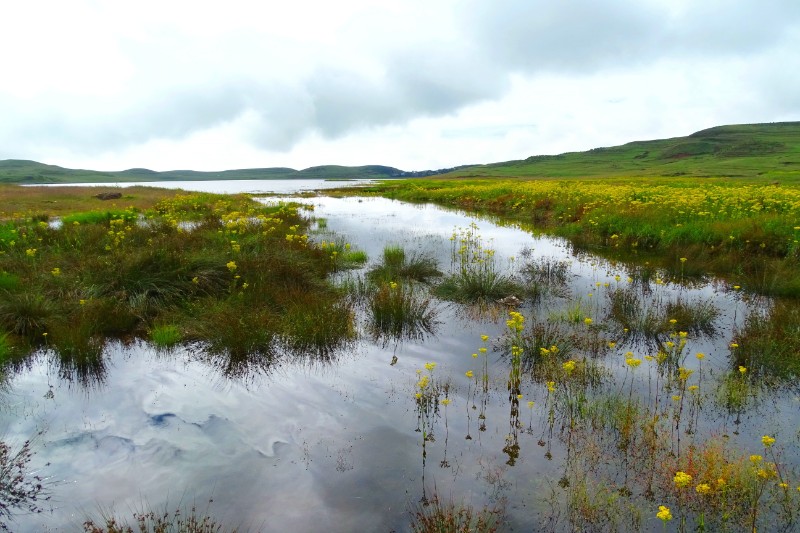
(284,442)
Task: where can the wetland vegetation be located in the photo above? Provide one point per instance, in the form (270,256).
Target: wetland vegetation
(638,372)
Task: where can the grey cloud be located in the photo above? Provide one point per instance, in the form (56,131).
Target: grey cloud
(493,41)
(586,35)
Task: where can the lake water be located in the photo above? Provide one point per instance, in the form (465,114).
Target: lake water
(228,186)
(334,445)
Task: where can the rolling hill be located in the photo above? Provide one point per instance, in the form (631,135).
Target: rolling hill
(761,151)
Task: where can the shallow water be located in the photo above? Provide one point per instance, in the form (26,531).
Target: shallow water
(307,443)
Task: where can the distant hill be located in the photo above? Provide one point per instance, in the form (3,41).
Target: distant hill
(21,171)
(769,151)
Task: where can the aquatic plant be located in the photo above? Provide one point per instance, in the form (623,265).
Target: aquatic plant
(438,517)
(397,265)
(475,275)
(21,490)
(398,311)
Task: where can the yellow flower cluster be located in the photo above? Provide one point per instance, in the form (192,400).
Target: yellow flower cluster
(682,479)
(516,322)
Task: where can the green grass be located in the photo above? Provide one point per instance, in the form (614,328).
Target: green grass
(99,217)
(241,280)
(165,336)
(398,311)
(397,265)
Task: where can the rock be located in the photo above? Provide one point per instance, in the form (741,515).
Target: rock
(108,195)
(511,301)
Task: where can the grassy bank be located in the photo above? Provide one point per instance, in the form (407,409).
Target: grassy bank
(746,232)
(235,276)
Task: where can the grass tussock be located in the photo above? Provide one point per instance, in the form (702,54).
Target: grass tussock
(398,311)
(437,517)
(398,265)
(769,342)
(475,275)
(178,521)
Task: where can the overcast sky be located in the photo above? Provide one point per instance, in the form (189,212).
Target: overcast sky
(415,84)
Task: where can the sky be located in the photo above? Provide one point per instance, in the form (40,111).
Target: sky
(413,84)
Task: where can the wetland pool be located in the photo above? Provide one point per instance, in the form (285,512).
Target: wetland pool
(344,443)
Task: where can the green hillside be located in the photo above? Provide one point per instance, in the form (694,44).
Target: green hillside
(31,172)
(765,151)
(769,151)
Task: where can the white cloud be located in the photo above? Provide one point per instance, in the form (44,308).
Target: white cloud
(410,84)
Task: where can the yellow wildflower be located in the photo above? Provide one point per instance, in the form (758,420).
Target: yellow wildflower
(633,363)
(767,440)
(742,369)
(569,366)
(682,479)
(231,265)
(663,513)
(446,401)
(703,488)
(700,356)
(469,373)
(587,321)
(755,459)
(484,338)
(551,386)
(530,405)
(430,366)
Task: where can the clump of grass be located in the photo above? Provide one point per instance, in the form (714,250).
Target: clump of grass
(652,320)
(397,311)
(342,255)
(545,346)
(545,275)
(317,326)
(769,343)
(475,275)
(696,317)
(26,314)
(397,265)
(438,517)
(165,336)
(178,521)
